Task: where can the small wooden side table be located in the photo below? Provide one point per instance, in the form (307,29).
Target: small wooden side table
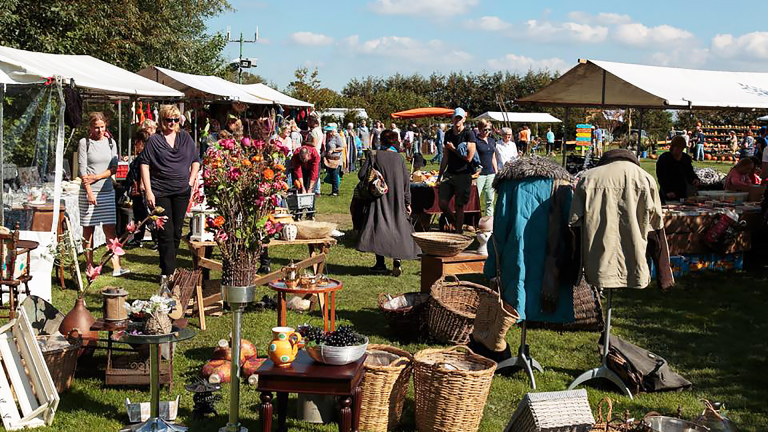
(435,267)
(327,290)
(307,376)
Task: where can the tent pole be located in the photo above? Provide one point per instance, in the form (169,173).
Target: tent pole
(640,133)
(565,132)
(603,98)
(2,157)
(119,126)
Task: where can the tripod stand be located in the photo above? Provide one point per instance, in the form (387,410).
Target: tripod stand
(603,371)
(523,360)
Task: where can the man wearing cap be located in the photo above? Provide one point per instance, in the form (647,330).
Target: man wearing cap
(675,172)
(455,170)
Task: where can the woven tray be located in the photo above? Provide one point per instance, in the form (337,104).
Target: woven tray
(441,244)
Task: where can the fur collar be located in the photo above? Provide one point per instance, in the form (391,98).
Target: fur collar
(533,166)
(618,155)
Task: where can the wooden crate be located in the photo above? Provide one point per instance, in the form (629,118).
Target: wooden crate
(35,393)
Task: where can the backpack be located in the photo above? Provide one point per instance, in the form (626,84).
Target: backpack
(640,369)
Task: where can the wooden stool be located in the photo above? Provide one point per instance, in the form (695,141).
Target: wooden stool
(435,267)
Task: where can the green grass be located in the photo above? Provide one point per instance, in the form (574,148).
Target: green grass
(711,328)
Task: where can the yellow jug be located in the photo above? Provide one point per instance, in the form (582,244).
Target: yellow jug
(284,346)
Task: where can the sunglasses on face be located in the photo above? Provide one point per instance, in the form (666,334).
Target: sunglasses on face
(172,120)
(487,129)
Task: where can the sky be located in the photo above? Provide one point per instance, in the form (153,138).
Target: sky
(345,39)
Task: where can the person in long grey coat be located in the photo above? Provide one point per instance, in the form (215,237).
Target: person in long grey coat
(386,230)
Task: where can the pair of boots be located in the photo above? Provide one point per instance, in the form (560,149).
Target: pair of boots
(381,267)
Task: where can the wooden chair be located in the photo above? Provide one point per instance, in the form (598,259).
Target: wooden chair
(9,252)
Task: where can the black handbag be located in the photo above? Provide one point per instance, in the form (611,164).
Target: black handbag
(372,186)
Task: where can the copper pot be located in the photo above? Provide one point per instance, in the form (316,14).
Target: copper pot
(77,323)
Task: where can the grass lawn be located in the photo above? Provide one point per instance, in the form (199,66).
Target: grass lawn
(711,328)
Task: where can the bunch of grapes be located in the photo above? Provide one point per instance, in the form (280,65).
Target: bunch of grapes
(344,336)
(311,333)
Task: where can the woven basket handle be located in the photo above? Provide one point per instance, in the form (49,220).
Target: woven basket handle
(383,298)
(452,276)
(399,362)
(464,348)
(711,409)
(609,402)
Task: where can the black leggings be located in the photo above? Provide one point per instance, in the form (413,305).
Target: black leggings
(169,237)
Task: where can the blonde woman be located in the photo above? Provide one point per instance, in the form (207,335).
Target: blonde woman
(97,162)
(169,166)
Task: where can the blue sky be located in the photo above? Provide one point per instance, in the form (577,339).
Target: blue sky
(345,38)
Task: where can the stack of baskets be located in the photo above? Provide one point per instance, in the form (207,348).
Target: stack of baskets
(406,313)
(451,387)
(452,309)
(441,244)
(387,372)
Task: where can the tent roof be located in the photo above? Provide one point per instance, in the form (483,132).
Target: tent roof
(594,83)
(29,67)
(209,87)
(423,112)
(518,117)
(265,92)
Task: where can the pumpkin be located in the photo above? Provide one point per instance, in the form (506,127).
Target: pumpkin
(222,351)
(218,369)
(247,350)
(707,156)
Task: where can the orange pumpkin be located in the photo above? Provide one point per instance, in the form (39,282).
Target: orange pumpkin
(707,156)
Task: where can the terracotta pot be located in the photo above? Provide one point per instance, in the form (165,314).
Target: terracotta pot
(77,323)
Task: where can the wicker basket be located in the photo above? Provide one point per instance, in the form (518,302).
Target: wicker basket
(587,311)
(603,423)
(384,388)
(451,387)
(452,309)
(311,230)
(562,411)
(441,244)
(62,364)
(406,313)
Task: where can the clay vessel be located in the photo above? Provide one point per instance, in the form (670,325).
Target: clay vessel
(77,323)
(284,346)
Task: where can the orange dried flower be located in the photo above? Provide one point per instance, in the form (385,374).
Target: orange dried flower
(246,163)
(218,221)
(269,174)
(279,167)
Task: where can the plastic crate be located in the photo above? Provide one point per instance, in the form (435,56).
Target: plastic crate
(297,201)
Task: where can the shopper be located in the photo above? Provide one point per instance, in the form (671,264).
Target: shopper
(486,148)
(741,177)
(699,140)
(455,174)
(136,191)
(97,163)
(674,170)
(439,141)
(332,156)
(733,141)
(364,134)
(506,150)
(550,142)
(522,141)
(760,144)
(386,230)
(169,169)
(747,145)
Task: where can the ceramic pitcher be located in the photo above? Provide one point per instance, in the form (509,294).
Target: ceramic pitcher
(284,346)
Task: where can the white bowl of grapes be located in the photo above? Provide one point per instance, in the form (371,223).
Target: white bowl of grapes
(339,347)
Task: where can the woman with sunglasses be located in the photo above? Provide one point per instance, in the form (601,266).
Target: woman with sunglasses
(169,166)
(486,149)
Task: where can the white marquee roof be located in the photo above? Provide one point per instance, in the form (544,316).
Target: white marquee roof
(518,117)
(608,84)
(265,92)
(209,87)
(28,67)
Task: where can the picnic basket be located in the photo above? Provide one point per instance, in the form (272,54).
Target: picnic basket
(451,387)
(441,244)
(387,372)
(452,309)
(405,313)
(560,411)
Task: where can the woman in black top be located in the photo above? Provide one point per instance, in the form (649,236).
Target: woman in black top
(486,148)
(169,165)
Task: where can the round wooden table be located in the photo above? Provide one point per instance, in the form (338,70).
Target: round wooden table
(327,288)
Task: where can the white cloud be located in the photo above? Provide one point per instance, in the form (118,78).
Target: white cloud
(311,39)
(747,46)
(422,7)
(543,31)
(690,58)
(604,18)
(488,23)
(407,49)
(638,35)
(518,63)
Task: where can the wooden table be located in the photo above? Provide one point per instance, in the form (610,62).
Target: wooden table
(202,251)
(434,267)
(328,306)
(307,376)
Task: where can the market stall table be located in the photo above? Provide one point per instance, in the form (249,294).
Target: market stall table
(327,290)
(435,267)
(307,376)
(424,204)
(686,226)
(155,423)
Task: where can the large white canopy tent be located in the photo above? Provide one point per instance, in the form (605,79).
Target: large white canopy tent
(202,86)
(266,92)
(18,68)
(518,117)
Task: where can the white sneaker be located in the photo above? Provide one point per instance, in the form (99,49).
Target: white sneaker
(336,233)
(121,272)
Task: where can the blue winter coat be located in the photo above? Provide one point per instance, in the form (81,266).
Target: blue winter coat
(521,231)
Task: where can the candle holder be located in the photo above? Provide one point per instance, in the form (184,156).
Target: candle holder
(204,398)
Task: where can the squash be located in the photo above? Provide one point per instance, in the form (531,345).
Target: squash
(222,351)
(247,350)
(218,368)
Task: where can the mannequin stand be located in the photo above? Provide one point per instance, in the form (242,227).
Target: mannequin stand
(523,360)
(603,371)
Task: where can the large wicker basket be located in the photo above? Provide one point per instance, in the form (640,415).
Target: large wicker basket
(587,311)
(62,364)
(387,372)
(406,313)
(451,387)
(452,309)
(441,244)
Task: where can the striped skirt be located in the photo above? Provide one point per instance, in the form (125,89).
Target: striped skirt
(101,213)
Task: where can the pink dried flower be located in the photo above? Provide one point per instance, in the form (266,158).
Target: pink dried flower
(221,236)
(92,272)
(228,144)
(246,142)
(160,221)
(131,227)
(234,173)
(116,247)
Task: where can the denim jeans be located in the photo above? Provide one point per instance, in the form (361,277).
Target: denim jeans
(699,152)
(334,174)
(485,190)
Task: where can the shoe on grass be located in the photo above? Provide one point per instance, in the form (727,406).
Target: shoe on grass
(397,270)
(122,271)
(378,270)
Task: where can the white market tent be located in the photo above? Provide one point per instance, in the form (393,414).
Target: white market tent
(265,92)
(19,67)
(202,86)
(518,117)
(594,83)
